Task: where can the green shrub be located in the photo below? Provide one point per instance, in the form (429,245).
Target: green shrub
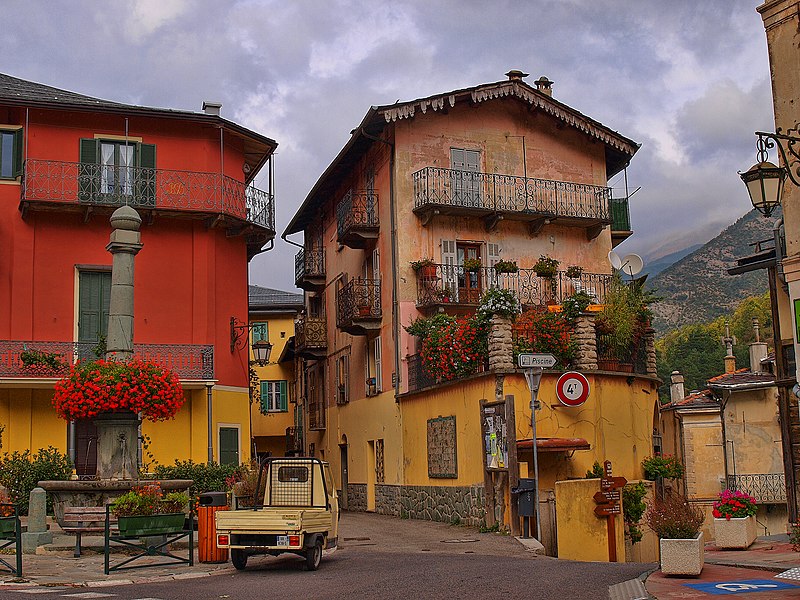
(633,506)
(596,471)
(207,477)
(20,472)
(666,466)
(674,518)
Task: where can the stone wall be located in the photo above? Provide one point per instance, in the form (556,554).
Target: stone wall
(357,496)
(387,499)
(586,340)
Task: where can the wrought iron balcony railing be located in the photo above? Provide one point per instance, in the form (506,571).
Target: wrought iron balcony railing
(311,335)
(766,488)
(59,182)
(420,378)
(454,284)
(358,306)
(357,219)
(38,359)
(309,268)
(453,191)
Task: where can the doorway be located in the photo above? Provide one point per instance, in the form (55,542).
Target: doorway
(343,459)
(371,476)
(469,282)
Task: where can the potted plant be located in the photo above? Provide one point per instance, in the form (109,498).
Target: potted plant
(39,361)
(734,519)
(505,266)
(146,511)
(546,267)
(574,271)
(677,523)
(472,264)
(425,268)
(664,466)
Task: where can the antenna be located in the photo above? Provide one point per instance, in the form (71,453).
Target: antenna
(615,260)
(632,264)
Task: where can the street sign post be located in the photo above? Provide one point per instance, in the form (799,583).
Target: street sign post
(612,496)
(543,361)
(572,388)
(608,505)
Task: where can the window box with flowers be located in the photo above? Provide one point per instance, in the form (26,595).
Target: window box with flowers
(425,268)
(505,266)
(472,265)
(734,519)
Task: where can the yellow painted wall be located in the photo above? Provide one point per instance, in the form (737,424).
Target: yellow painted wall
(581,534)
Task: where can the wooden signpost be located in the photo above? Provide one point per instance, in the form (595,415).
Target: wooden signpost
(608,504)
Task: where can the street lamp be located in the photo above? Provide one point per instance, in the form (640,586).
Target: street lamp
(764,180)
(240,333)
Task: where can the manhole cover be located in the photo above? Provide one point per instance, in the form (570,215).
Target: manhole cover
(459,541)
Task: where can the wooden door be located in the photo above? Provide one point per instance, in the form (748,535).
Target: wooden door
(469,282)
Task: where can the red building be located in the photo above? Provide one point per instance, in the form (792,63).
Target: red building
(66,162)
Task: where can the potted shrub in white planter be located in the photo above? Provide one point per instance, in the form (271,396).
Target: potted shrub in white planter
(734,519)
(677,524)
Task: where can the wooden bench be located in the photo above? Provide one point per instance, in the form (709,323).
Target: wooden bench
(84,519)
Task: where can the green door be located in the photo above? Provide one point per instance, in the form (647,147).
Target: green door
(228,446)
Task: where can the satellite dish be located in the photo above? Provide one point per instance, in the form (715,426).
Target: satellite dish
(615,260)
(632,264)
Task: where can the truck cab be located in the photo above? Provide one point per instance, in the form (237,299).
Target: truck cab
(299,514)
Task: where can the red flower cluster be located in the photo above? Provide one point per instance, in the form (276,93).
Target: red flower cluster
(455,349)
(733,504)
(539,330)
(106,386)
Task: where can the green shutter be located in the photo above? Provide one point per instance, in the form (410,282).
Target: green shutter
(89,171)
(94,296)
(18,140)
(146,175)
(284,402)
(264,397)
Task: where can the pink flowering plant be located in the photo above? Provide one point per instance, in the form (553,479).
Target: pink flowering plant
(733,504)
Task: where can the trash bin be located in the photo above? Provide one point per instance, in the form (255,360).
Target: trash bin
(526,498)
(207,504)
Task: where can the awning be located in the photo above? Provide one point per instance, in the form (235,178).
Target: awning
(554,444)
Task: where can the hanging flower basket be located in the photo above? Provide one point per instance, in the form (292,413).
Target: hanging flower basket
(100,387)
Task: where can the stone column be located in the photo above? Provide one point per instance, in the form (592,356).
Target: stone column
(126,241)
(585,337)
(36,534)
(650,351)
(501,347)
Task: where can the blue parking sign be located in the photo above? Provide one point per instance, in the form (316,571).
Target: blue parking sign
(743,586)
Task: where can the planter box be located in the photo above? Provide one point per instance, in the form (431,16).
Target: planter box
(682,557)
(151,525)
(736,533)
(8,525)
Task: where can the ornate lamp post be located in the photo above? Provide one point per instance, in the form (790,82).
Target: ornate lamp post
(764,180)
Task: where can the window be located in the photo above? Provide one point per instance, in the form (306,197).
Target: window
(273,396)
(113,171)
(372,362)
(260,333)
(465,177)
(343,379)
(10,153)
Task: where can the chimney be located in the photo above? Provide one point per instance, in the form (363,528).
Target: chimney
(544,85)
(729,341)
(758,350)
(516,75)
(211,108)
(676,389)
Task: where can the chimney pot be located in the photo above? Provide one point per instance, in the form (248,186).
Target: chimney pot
(676,389)
(516,75)
(544,85)
(211,108)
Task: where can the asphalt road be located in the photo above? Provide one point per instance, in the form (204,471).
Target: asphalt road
(386,558)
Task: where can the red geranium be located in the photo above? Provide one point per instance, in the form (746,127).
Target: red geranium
(106,386)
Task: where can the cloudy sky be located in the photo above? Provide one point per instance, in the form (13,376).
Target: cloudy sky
(687,79)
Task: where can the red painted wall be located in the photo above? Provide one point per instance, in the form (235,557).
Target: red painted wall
(189,279)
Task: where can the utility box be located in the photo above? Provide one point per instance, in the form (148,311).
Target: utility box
(526,499)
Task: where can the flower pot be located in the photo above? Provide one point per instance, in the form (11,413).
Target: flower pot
(735,533)
(427,272)
(608,364)
(682,557)
(151,524)
(363,311)
(625,367)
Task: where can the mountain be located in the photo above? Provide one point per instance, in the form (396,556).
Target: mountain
(698,288)
(655,267)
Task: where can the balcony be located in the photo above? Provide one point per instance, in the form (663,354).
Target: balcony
(245,210)
(494,197)
(49,360)
(454,286)
(358,307)
(357,219)
(420,378)
(309,269)
(620,221)
(311,337)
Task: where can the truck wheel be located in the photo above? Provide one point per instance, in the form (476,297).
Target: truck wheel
(314,556)
(239,559)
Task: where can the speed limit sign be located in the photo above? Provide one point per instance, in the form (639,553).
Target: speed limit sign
(572,388)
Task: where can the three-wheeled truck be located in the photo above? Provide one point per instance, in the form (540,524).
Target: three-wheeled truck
(299,514)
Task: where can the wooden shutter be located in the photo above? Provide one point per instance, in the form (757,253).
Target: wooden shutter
(346,363)
(264,396)
(493,256)
(18,141)
(449,267)
(228,446)
(376,265)
(377,354)
(89,171)
(146,178)
(94,296)
(284,406)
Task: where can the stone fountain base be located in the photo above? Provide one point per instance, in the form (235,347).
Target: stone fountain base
(100,492)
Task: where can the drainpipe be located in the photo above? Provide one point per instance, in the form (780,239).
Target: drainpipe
(395,304)
(210,425)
